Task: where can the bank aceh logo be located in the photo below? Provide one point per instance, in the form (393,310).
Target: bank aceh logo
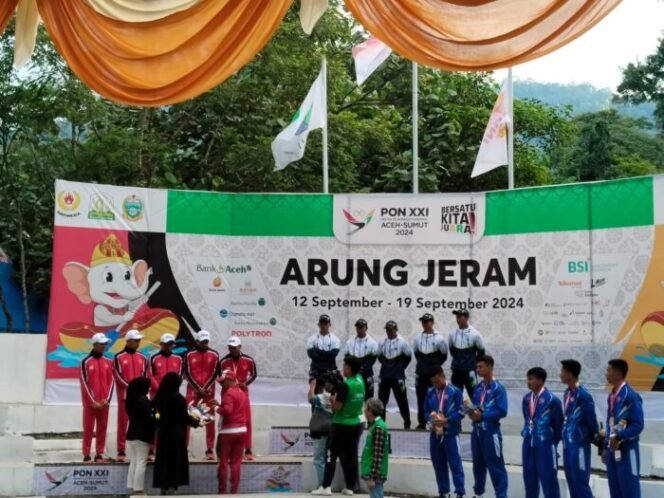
(357,223)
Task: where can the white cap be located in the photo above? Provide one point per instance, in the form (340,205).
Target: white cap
(234,342)
(166,338)
(203,335)
(100,338)
(133,335)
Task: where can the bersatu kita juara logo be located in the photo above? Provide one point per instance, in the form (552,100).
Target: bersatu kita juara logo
(359,219)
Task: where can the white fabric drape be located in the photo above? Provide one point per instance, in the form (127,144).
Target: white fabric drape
(310,13)
(27,23)
(140,10)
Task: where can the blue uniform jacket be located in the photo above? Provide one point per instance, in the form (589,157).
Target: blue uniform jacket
(492,400)
(452,409)
(628,412)
(580,422)
(547,422)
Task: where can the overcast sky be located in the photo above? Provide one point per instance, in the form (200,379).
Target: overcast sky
(628,33)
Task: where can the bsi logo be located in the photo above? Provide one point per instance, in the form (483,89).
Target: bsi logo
(578,266)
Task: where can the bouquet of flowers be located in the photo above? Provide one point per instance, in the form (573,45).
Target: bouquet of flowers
(200,412)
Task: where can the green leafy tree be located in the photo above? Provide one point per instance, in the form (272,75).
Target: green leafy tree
(644,82)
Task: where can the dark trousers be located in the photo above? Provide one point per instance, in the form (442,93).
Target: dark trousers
(368,384)
(398,387)
(462,378)
(344,445)
(422,385)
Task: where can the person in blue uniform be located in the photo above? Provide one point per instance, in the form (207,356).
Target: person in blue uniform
(543,416)
(580,429)
(443,408)
(624,424)
(488,407)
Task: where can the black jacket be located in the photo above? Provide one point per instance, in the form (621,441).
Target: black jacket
(142,424)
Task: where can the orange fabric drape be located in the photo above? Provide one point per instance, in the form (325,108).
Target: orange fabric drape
(164,61)
(7,9)
(476,35)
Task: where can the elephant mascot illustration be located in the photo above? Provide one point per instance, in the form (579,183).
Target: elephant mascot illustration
(119,290)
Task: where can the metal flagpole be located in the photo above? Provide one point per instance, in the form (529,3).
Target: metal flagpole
(416,183)
(326,179)
(510,130)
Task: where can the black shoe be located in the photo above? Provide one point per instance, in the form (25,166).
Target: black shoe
(421,427)
(406,426)
(459,496)
(87,459)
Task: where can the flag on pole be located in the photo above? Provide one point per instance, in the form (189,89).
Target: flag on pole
(290,143)
(493,150)
(368,56)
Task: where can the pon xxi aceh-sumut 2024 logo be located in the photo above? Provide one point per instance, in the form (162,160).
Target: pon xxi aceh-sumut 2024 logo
(359,219)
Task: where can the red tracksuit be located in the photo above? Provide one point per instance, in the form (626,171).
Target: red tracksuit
(201,369)
(128,366)
(96,387)
(234,410)
(160,365)
(244,367)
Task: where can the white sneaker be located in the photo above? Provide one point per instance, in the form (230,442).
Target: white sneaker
(347,492)
(321,491)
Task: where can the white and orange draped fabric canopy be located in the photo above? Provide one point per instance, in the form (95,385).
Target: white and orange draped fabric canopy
(156,52)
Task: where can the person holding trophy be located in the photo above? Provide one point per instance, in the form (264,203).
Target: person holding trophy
(444,409)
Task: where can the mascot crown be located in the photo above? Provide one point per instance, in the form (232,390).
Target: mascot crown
(109,250)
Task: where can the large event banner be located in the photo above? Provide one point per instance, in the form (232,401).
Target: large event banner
(547,273)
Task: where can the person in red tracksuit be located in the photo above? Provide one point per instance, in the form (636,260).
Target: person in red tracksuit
(96,392)
(161,363)
(233,411)
(129,364)
(244,368)
(201,368)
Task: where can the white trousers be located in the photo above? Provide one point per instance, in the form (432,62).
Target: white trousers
(137,452)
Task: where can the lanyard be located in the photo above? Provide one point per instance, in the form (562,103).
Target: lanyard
(441,400)
(569,397)
(484,392)
(360,342)
(318,342)
(533,403)
(613,397)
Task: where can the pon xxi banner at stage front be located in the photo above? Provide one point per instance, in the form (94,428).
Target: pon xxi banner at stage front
(547,273)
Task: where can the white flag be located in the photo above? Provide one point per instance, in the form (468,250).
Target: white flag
(493,150)
(290,143)
(368,56)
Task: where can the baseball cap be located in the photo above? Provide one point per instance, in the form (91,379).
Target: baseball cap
(427,317)
(227,375)
(391,324)
(361,322)
(234,342)
(166,338)
(324,319)
(133,335)
(203,335)
(462,312)
(100,338)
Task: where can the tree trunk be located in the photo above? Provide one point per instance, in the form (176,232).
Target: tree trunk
(5,310)
(24,279)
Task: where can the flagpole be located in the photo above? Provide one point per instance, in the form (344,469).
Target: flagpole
(326,179)
(510,130)
(416,183)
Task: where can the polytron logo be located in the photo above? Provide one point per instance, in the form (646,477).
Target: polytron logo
(359,219)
